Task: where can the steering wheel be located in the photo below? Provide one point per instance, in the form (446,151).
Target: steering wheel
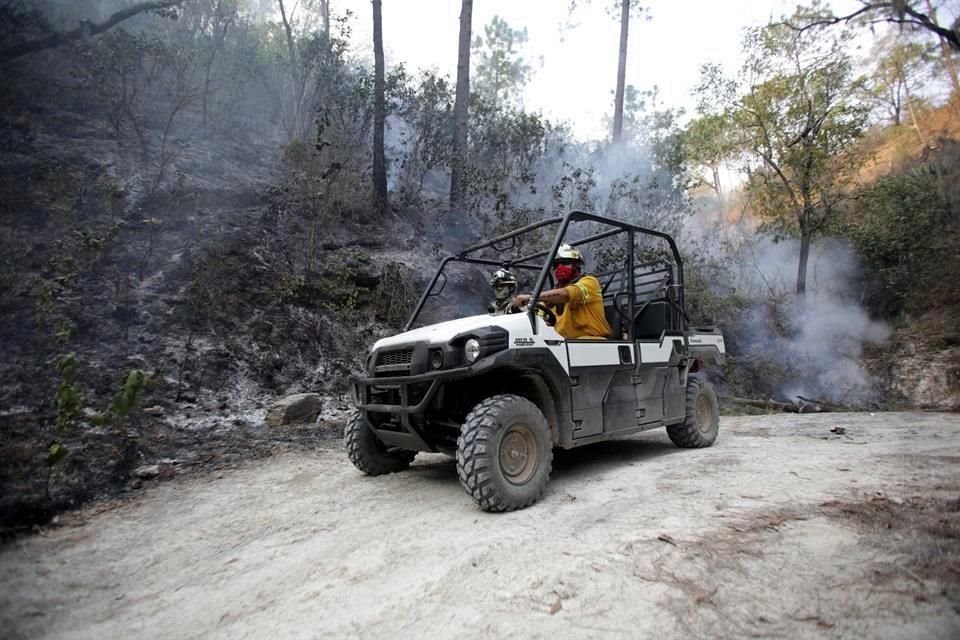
(548,315)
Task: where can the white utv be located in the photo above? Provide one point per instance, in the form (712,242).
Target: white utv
(500,392)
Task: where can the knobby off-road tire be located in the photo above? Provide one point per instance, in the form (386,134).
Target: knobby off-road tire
(702,422)
(368,454)
(504,453)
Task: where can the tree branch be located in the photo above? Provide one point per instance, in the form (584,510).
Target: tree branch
(85,30)
(916,18)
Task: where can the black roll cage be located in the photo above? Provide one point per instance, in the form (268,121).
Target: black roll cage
(526,262)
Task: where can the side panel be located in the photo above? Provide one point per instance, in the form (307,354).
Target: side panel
(657,379)
(619,409)
(674,395)
(656,352)
(595,353)
(708,347)
(601,389)
(648,383)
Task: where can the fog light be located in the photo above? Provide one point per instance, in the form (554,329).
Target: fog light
(471,350)
(436,359)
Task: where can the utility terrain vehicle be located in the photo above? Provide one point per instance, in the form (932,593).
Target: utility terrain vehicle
(501,391)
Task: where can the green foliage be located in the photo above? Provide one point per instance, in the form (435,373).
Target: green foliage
(427,140)
(76,254)
(114,70)
(707,143)
(396,294)
(898,73)
(126,398)
(898,229)
(499,72)
(574,189)
(507,144)
(337,285)
(67,399)
(799,125)
(56,452)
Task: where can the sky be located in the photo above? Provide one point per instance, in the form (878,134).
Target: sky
(574,69)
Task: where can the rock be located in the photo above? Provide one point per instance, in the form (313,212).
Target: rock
(148,471)
(928,380)
(154,411)
(302,407)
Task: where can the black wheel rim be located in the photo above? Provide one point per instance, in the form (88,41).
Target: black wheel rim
(518,454)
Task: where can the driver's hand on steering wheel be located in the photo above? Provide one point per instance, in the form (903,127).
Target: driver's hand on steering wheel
(520,300)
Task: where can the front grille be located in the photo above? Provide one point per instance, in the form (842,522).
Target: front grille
(396,361)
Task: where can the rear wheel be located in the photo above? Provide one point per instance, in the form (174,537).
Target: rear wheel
(368,453)
(504,453)
(702,422)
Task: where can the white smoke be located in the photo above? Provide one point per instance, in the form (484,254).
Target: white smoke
(816,342)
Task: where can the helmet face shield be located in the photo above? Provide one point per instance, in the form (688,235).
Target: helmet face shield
(503,279)
(504,291)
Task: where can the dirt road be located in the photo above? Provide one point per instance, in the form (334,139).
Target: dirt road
(833,525)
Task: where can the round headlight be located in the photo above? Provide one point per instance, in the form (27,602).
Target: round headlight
(436,359)
(471,350)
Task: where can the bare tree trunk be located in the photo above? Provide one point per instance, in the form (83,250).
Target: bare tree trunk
(621,72)
(293,130)
(947,56)
(325,15)
(219,40)
(379,114)
(806,234)
(716,182)
(85,30)
(718,188)
(913,117)
(461,111)
(802,266)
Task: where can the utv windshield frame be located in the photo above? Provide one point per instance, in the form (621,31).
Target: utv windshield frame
(529,262)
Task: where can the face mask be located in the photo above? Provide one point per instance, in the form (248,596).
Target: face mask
(564,273)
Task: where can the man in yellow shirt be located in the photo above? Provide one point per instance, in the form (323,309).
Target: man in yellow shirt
(577,302)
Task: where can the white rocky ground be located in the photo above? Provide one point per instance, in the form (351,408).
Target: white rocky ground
(796,526)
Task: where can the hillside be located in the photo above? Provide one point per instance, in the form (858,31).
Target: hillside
(189,231)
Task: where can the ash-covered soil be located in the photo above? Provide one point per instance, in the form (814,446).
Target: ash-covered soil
(799,526)
(107,463)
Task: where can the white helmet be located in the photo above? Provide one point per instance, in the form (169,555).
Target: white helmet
(567,252)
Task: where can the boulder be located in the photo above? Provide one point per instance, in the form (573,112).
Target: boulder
(302,407)
(148,471)
(927,380)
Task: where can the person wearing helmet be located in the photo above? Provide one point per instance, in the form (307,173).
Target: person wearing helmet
(504,285)
(577,302)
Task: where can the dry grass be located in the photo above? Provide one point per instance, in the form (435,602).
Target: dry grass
(924,530)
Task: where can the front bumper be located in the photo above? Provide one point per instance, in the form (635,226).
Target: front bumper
(412,396)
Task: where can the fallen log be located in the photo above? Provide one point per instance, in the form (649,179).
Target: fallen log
(825,405)
(765,404)
(803,406)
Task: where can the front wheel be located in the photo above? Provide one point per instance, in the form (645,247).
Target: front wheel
(504,453)
(702,422)
(368,453)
